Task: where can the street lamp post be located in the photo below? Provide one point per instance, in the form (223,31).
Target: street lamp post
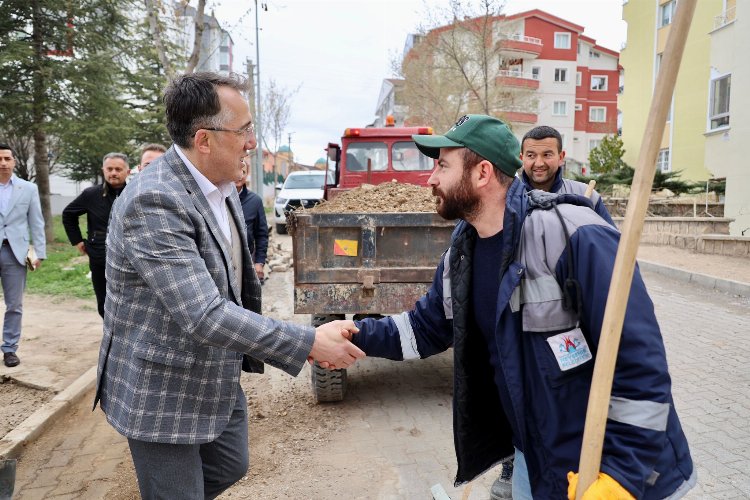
(258,130)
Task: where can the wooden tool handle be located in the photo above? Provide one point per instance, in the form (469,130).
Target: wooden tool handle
(590,188)
(622,275)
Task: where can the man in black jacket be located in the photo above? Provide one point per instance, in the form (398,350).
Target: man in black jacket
(96,203)
(255,222)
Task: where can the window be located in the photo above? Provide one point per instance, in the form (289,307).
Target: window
(578,49)
(561,75)
(562,40)
(718,112)
(594,143)
(666,13)
(662,161)
(560,108)
(594,54)
(598,82)
(536,72)
(597,114)
(358,154)
(406,156)
(578,78)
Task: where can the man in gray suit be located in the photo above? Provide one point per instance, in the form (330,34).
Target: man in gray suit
(183,303)
(20,211)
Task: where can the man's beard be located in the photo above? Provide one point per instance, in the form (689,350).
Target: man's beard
(458,203)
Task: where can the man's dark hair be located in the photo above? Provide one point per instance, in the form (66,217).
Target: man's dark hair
(471,158)
(543,132)
(154,147)
(192,102)
(5,146)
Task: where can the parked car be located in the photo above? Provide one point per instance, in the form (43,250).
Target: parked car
(300,189)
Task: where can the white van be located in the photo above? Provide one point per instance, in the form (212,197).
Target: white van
(300,189)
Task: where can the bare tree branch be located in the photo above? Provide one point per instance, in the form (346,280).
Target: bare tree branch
(199,26)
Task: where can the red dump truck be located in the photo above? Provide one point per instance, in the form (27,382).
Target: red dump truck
(365,263)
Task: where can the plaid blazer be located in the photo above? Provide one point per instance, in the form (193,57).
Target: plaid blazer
(175,328)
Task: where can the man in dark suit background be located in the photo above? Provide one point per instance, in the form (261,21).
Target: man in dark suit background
(96,203)
(183,303)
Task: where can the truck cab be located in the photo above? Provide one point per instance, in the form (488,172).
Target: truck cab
(376,155)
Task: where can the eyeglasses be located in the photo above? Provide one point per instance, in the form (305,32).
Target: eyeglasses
(247,131)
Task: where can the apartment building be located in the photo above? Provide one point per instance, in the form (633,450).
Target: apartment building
(217,46)
(727,119)
(707,120)
(573,82)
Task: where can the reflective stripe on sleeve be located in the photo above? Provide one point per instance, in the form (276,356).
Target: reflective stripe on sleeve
(645,414)
(408,340)
(447,302)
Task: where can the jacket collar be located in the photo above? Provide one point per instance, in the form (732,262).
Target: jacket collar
(556,184)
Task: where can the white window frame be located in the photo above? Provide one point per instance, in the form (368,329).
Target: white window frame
(538,71)
(664,160)
(722,116)
(563,104)
(666,13)
(606,83)
(594,143)
(562,35)
(562,72)
(592,109)
(579,78)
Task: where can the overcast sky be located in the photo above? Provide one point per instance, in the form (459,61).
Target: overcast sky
(337,52)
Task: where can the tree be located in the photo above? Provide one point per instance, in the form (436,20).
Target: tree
(275,113)
(607,156)
(454,67)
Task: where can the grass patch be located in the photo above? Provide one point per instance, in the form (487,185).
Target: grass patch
(62,273)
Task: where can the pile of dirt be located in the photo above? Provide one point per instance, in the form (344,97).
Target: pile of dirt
(391,196)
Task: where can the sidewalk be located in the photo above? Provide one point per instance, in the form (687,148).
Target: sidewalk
(60,344)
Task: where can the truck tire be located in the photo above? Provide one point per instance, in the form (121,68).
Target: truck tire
(328,385)
(280,228)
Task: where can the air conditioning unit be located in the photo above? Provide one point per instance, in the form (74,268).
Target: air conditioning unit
(579,107)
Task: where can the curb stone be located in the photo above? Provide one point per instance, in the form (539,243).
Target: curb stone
(704,280)
(13,443)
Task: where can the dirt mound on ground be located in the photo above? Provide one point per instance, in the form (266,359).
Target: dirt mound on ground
(387,197)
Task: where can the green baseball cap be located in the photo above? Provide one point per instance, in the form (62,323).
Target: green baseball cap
(488,137)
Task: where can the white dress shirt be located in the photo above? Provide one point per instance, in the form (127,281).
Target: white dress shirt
(216,195)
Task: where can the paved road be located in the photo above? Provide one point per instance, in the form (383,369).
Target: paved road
(395,426)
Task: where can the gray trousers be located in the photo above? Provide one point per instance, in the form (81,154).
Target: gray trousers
(194,471)
(13,277)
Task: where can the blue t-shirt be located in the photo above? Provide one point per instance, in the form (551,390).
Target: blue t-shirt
(485,288)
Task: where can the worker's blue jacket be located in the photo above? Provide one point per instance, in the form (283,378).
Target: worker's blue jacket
(562,185)
(545,347)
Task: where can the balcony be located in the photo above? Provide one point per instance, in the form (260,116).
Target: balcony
(725,18)
(518,117)
(516,79)
(518,46)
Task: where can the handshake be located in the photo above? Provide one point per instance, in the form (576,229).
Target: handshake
(332,348)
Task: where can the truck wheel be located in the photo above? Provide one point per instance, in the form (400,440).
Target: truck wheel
(328,385)
(280,228)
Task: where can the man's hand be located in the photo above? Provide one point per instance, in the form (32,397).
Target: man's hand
(604,488)
(81,246)
(37,263)
(332,348)
(259,271)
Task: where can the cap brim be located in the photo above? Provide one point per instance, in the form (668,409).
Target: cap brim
(430,145)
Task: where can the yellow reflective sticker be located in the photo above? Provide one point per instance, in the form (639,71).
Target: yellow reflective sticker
(345,247)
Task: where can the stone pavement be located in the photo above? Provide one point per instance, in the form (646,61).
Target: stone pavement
(404,442)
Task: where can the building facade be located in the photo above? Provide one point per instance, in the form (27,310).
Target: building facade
(217,47)
(707,120)
(563,78)
(727,119)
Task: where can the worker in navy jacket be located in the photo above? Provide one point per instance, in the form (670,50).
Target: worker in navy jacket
(520,296)
(542,155)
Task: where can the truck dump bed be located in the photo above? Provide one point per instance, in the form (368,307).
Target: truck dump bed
(364,263)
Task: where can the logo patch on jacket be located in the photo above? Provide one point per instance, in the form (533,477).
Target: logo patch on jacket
(570,349)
